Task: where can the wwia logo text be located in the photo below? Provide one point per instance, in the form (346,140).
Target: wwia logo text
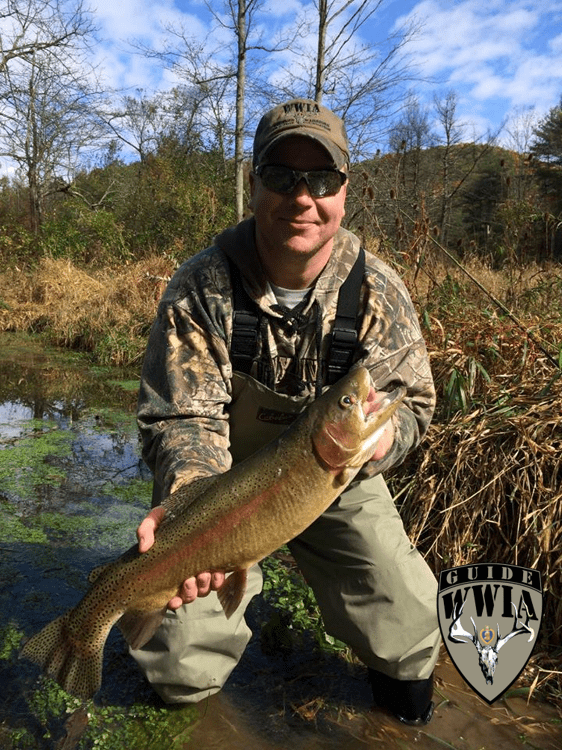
(490,616)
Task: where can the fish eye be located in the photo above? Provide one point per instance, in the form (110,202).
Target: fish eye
(346,401)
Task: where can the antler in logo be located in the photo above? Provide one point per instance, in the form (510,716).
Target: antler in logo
(487,654)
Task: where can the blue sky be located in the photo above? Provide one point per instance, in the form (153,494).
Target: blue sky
(502,57)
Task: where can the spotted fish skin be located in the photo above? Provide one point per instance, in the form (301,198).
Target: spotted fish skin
(227,522)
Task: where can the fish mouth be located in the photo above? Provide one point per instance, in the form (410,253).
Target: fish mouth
(383,409)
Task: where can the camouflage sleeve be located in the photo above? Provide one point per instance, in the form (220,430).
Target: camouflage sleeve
(185,388)
(395,353)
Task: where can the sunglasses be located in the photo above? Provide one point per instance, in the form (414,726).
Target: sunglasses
(320,182)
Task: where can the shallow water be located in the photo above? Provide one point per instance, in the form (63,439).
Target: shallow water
(72,491)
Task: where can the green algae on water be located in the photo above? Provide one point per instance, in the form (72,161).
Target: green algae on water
(138,491)
(15,530)
(112,727)
(28,461)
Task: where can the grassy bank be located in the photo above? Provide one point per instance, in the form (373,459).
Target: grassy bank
(486,485)
(106,312)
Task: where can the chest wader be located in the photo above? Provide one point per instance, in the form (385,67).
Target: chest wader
(375,591)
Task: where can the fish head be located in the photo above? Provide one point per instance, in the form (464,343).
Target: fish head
(350,420)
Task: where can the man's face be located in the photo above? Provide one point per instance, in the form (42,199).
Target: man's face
(296,223)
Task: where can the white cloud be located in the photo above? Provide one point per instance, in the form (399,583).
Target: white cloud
(493,53)
(126,22)
(555,44)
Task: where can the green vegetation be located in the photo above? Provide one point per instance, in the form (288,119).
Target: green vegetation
(33,456)
(475,199)
(112,727)
(296,610)
(99,727)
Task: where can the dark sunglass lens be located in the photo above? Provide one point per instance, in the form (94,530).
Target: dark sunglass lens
(323,182)
(278,179)
(320,182)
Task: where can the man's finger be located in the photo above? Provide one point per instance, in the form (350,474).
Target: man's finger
(217,580)
(188,592)
(175,603)
(203,583)
(147,528)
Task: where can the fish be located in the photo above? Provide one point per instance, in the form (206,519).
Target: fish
(226,522)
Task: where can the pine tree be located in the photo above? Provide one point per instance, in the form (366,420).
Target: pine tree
(547,144)
(547,149)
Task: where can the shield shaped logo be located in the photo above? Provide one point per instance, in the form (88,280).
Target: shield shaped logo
(472,597)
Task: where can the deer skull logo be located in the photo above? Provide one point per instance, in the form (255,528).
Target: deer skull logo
(488,605)
(487,655)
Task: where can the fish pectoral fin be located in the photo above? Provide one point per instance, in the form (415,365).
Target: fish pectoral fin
(345,476)
(232,591)
(139,627)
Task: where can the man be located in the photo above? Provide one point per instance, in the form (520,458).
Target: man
(203,395)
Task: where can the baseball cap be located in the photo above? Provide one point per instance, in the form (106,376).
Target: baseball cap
(302,117)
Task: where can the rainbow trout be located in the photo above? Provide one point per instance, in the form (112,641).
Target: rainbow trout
(227,522)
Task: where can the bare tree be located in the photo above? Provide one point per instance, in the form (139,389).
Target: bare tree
(459,160)
(31,26)
(362,82)
(520,129)
(334,52)
(46,95)
(219,75)
(141,122)
(411,135)
(446,108)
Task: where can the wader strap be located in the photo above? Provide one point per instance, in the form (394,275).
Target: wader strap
(344,333)
(245,324)
(343,339)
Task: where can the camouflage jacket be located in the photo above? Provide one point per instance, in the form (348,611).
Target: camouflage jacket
(186,380)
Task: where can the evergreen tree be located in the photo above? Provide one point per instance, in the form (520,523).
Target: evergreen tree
(547,148)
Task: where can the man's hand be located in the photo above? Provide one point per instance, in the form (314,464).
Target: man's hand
(385,442)
(387,438)
(199,585)
(145,532)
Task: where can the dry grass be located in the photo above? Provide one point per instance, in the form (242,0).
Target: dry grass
(107,312)
(486,485)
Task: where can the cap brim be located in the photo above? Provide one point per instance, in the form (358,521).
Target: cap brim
(336,154)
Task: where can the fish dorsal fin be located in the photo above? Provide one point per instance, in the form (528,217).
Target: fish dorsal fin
(96,572)
(182,498)
(232,591)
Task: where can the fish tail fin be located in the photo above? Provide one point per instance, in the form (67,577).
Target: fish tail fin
(74,665)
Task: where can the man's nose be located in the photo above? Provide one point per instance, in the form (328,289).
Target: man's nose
(301,191)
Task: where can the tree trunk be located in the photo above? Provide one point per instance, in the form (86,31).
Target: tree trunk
(321,54)
(239,127)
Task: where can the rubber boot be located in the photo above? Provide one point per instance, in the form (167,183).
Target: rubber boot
(409,700)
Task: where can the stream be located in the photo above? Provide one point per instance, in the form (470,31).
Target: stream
(72,491)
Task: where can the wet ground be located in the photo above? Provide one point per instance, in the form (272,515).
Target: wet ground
(72,490)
